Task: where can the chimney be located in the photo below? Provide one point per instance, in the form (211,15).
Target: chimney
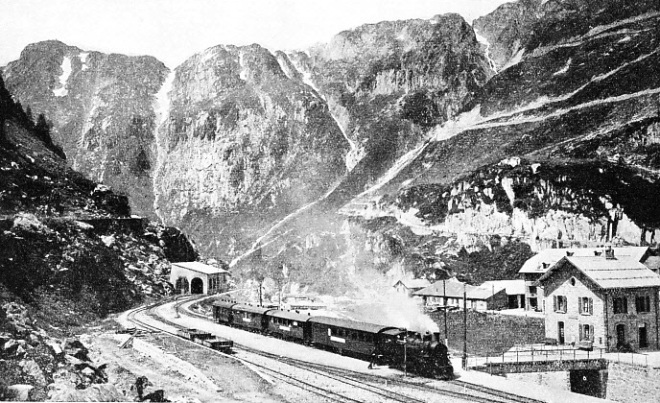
(598,253)
(546,265)
(569,253)
(609,253)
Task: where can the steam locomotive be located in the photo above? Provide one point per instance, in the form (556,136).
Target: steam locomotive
(421,354)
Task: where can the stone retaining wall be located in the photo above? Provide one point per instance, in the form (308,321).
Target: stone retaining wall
(633,384)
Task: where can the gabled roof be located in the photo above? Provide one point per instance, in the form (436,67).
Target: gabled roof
(552,256)
(454,289)
(621,272)
(199,267)
(414,283)
(512,287)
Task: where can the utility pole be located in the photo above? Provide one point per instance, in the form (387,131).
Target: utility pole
(444,296)
(464,328)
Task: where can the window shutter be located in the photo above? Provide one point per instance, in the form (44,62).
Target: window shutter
(579,304)
(591,332)
(591,306)
(581,329)
(554,303)
(625,305)
(565,303)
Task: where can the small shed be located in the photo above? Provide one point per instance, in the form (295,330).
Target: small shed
(197,278)
(514,289)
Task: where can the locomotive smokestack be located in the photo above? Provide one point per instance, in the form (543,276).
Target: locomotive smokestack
(436,336)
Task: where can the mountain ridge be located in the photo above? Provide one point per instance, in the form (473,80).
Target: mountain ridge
(399,106)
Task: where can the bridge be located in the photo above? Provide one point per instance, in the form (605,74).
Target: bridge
(550,359)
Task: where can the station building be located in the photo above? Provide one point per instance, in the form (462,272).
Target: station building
(538,265)
(197,278)
(604,301)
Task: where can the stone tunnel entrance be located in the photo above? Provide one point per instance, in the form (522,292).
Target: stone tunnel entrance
(197,286)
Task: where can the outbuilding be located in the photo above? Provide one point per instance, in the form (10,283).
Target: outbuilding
(197,278)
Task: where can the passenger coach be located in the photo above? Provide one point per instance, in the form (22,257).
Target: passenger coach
(346,336)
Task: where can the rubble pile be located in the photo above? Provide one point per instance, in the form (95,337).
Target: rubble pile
(36,366)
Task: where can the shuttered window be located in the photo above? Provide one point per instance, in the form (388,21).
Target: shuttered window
(586,333)
(560,303)
(586,306)
(643,303)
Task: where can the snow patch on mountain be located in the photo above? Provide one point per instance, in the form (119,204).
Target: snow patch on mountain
(83,60)
(66,72)
(485,42)
(161,108)
(564,69)
(356,153)
(244,70)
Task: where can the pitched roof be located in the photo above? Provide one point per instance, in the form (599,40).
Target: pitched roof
(454,289)
(414,283)
(512,287)
(621,272)
(552,256)
(200,267)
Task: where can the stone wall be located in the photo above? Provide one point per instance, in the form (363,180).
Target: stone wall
(489,332)
(556,379)
(633,384)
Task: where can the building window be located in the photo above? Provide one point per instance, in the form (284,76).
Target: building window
(560,303)
(586,306)
(643,303)
(586,332)
(620,305)
(532,290)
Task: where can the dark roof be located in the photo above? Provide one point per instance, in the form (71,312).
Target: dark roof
(250,308)
(454,289)
(393,332)
(606,273)
(414,283)
(289,315)
(349,324)
(224,304)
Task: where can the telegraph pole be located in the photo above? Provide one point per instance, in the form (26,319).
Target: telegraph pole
(464,327)
(444,296)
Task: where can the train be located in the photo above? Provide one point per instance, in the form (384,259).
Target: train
(206,339)
(422,354)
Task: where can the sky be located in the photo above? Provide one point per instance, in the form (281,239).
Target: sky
(173,30)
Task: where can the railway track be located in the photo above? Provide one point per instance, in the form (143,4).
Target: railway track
(455,388)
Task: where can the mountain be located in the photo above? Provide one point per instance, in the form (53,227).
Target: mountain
(426,146)
(102,110)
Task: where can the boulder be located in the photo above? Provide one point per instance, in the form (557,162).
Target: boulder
(20,393)
(31,368)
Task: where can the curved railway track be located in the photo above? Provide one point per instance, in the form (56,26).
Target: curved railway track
(416,389)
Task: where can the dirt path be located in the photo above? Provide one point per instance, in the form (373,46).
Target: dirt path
(186,375)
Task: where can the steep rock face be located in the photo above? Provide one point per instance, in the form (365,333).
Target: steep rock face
(388,83)
(243,146)
(507,28)
(101,109)
(575,121)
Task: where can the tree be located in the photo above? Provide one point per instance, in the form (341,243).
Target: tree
(42,129)
(29,119)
